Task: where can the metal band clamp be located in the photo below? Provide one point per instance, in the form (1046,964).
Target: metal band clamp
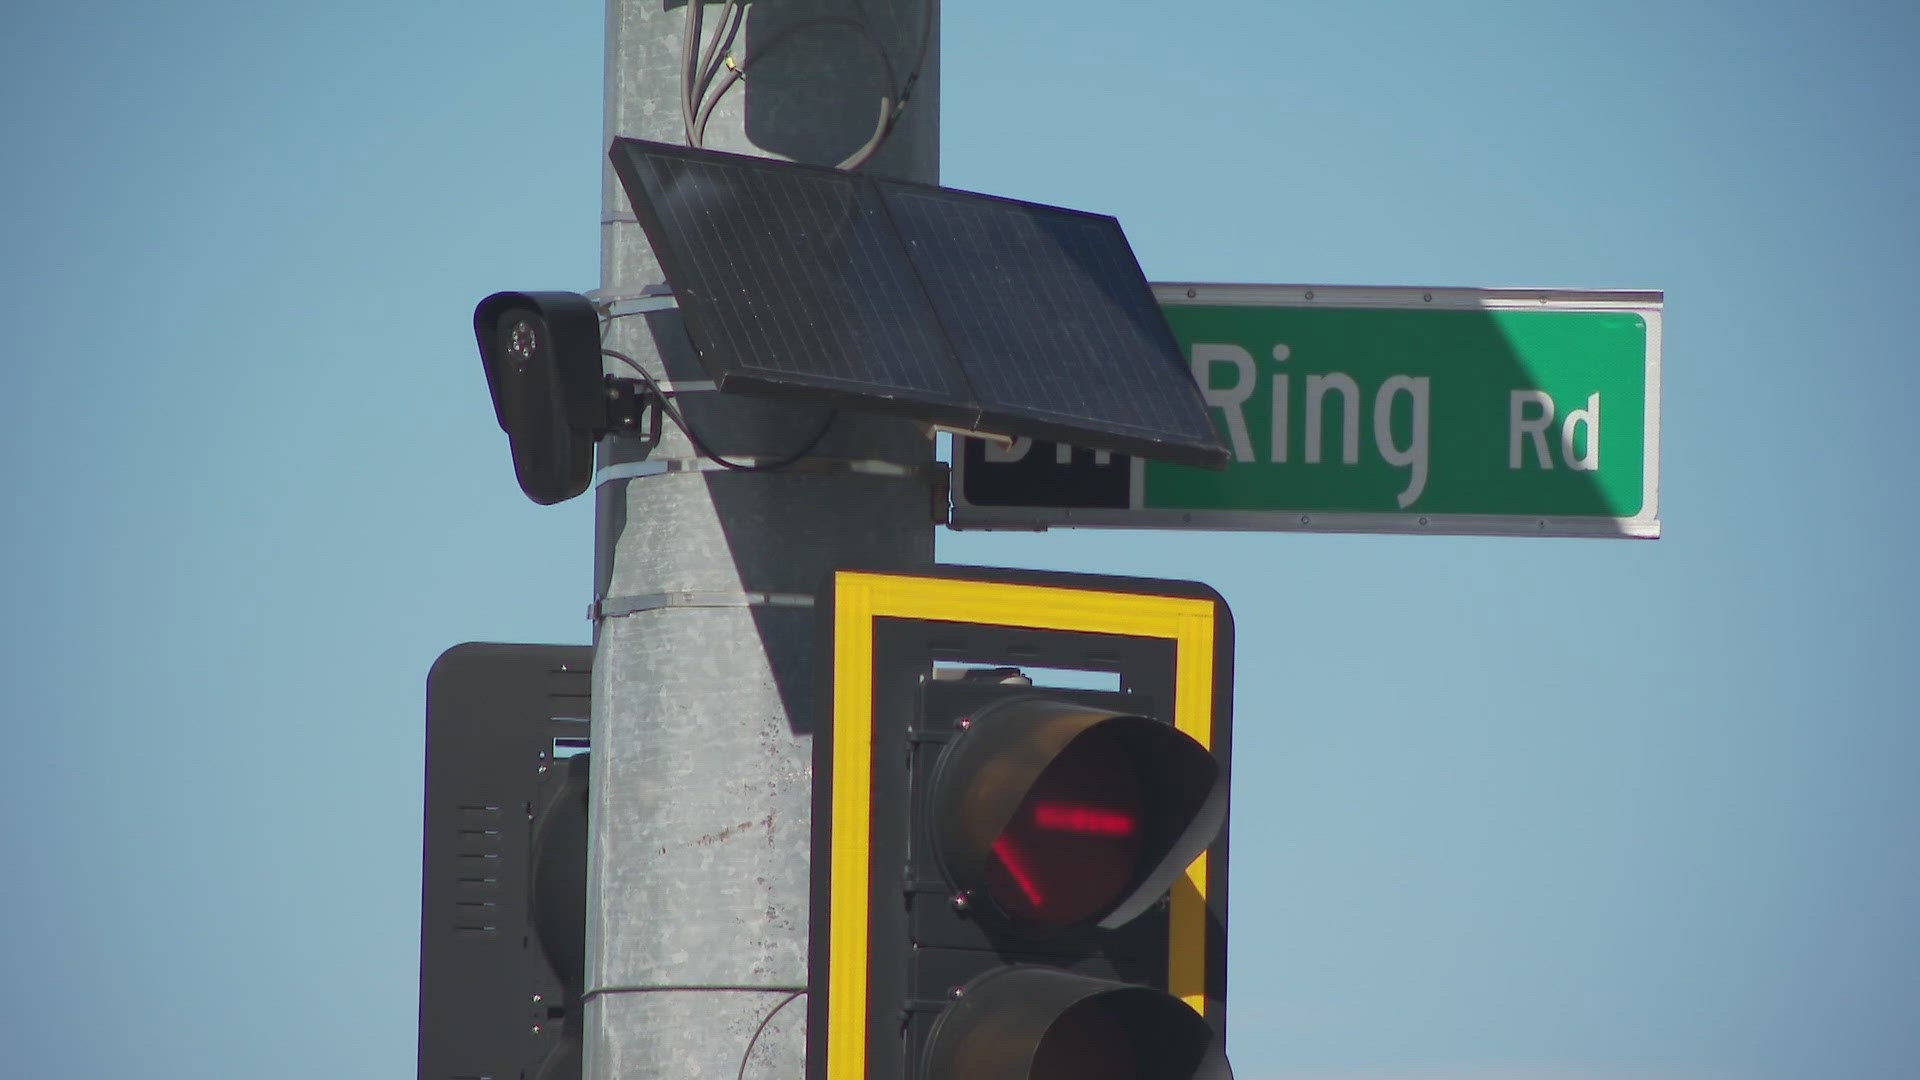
(614,607)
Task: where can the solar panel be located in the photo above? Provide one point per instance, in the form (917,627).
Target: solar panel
(1049,315)
(956,308)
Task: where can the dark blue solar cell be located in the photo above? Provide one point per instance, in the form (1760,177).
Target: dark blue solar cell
(1049,315)
(790,275)
(948,306)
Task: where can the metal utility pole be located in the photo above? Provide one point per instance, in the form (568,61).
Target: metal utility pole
(703,577)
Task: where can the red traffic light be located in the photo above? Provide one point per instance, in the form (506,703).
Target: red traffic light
(1060,814)
(1074,843)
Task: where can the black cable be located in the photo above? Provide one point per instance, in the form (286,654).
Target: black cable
(689,34)
(699,445)
(737,70)
(764,1021)
(891,118)
(696,79)
(699,96)
(793,991)
(714,56)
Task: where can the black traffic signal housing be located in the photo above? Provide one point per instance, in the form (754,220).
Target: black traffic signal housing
(1014,879)
(504,863)
(541,352)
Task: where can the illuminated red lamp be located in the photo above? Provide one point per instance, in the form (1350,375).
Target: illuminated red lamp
(1059,814)
(1091,820)
(1073,844)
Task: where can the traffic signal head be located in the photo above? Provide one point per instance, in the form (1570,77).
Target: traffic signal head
(504,862)
(1013,879)
(1051,814)
(541,352)
(1044,1023)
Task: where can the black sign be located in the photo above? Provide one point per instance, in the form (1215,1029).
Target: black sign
(1032,472)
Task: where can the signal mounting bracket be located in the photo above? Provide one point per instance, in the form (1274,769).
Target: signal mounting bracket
(633,410)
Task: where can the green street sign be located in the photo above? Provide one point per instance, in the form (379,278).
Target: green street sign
(1350,409)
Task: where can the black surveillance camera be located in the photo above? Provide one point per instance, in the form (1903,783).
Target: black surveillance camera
(541,351)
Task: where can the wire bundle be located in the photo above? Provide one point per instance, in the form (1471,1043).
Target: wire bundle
(700,94)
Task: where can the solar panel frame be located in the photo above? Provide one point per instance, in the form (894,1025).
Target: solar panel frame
(801,281)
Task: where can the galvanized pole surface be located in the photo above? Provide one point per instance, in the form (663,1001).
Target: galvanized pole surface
(697,905)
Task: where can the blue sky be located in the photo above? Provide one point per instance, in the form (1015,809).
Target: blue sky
(1580,810)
